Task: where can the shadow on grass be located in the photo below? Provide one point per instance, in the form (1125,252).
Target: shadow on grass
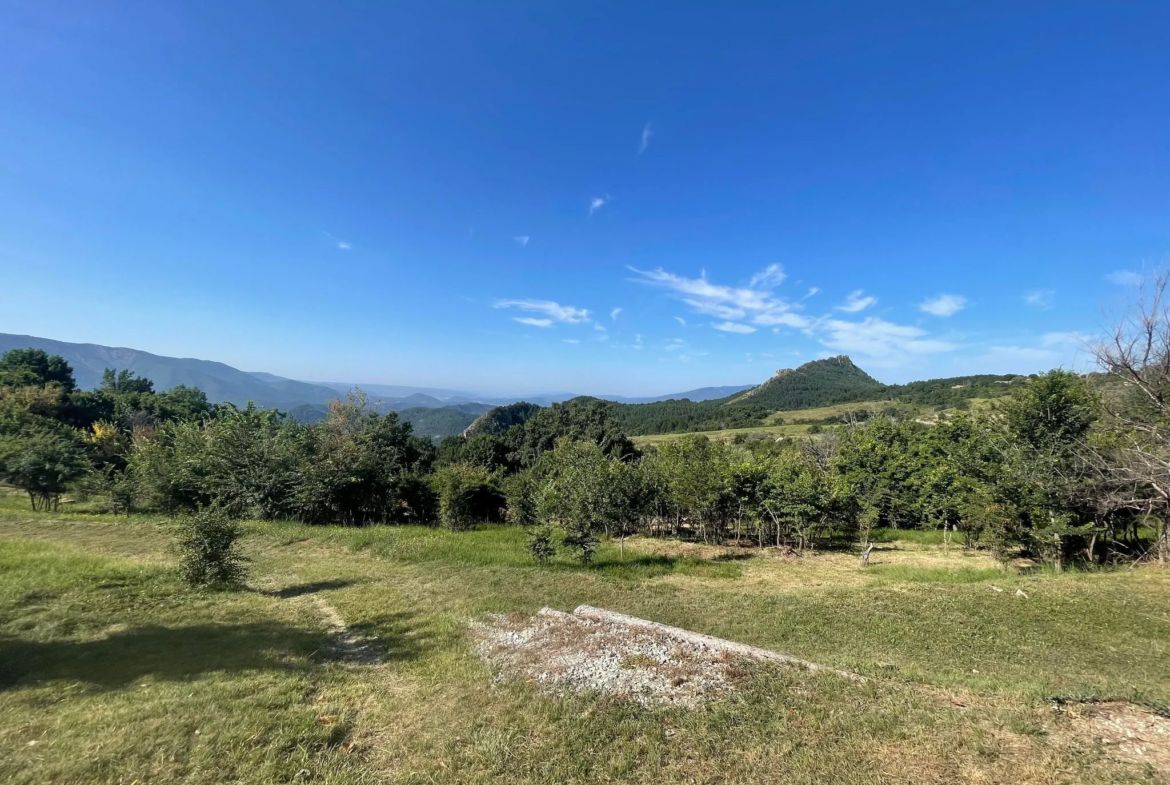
(654,565)
(301,589)
(181,653)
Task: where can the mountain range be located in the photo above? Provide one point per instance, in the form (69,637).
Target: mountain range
(223,383)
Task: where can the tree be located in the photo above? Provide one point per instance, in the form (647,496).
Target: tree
(1136,456)
(42,458)
(523,492)
(572,495)
(209,548)
(1046,484)
(122,382)
(464,494)
(35,368)
(185,403)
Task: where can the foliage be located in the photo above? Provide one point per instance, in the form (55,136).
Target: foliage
(35,368)
(466,496)
(209,550)
(817,383)
(501,418)
(41,457)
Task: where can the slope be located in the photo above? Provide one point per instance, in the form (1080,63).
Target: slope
(220,382)
(817,383)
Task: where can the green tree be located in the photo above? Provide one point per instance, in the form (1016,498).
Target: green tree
(122,382)
(209,548)
(35,368)
(42,458)
(462,490)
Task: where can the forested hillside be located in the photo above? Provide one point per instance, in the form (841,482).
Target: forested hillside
(501,418)
(835,380)
(445,421)
(818,383)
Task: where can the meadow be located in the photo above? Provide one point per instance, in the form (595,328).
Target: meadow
(113,671)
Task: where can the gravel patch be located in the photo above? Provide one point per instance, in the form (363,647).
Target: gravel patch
(637,660)
(1125,732)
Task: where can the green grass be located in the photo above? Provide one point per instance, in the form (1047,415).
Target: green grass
(109,666)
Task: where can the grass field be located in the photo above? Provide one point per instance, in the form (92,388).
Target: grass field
(111,671)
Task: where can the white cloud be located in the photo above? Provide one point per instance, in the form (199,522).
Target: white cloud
(786,319)
(734,327)
(532,321)
(755,303)
(857,302)
(599,327)
(675,345)
(646,134)
(555,312)
(1125,278)
(614,313)
(771,276)
(597,202)
(1068,340)
(682,322)
(812,290)
(877,338)
(1041,298)
(343,245)
(522,240)
(572,340)
(943,304)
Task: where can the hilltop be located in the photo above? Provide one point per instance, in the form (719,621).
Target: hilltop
(816,383)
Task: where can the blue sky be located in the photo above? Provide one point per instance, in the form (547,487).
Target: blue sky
(596,197)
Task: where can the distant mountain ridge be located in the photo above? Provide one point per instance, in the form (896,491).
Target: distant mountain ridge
(223,383)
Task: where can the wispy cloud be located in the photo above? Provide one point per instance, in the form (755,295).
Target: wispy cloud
(572,340)
(340,244)
(522,240)
(756,303)
(615,313)
(856,302)
(943,304)
(599,328)
(812,290)
(1041,298)
(532,321)
(733,327)
(770,277)
(647,132)
(682,322)
(1125,278)
(675,345)
(551,311)
(597,202)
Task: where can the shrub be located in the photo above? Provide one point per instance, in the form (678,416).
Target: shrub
(210,552)
(465,496)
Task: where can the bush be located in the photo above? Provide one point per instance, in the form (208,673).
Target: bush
(466,496)
(210,553)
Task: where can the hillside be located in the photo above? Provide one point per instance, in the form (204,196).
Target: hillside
(444,421)
(816,383)
(220,382)
(820,383)
(501,418)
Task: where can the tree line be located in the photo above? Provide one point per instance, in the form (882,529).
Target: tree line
(1059,469)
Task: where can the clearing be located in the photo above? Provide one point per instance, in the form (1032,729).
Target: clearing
(353,659)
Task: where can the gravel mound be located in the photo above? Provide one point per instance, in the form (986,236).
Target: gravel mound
(596,650)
